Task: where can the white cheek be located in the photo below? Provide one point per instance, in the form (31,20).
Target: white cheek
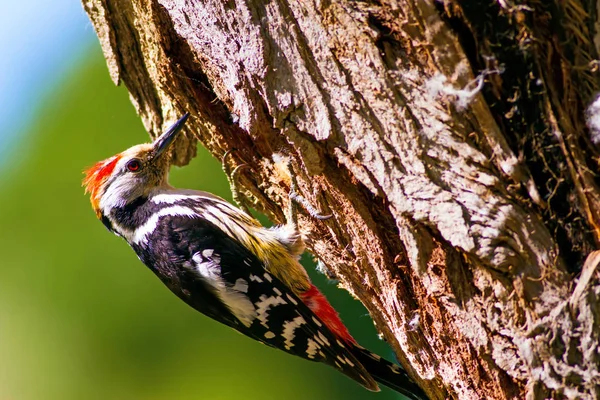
(121,191)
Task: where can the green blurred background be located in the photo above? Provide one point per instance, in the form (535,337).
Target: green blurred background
(80,316)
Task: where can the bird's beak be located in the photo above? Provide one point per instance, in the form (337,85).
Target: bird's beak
(164,141)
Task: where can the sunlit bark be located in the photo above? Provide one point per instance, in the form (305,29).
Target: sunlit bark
(447,139)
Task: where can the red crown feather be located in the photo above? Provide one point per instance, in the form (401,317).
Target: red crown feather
(95,177)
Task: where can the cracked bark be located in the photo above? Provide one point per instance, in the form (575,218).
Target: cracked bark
(462,220)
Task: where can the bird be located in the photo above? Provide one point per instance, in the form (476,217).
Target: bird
(223,263)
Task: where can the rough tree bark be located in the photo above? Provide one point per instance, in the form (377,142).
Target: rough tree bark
(447,138)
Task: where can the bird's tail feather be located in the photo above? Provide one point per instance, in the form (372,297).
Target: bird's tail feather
(389,374)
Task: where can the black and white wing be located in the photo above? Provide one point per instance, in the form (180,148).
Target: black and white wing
(222,279)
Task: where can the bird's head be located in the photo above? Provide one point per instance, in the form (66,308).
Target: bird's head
(134,173)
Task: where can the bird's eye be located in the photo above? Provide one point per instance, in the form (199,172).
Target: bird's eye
(133,165)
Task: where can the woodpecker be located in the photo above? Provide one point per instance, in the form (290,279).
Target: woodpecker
(226,265)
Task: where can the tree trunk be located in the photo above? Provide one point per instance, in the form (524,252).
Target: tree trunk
(448,140)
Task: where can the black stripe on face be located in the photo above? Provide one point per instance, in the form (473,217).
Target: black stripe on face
(106,222)
(134,214)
